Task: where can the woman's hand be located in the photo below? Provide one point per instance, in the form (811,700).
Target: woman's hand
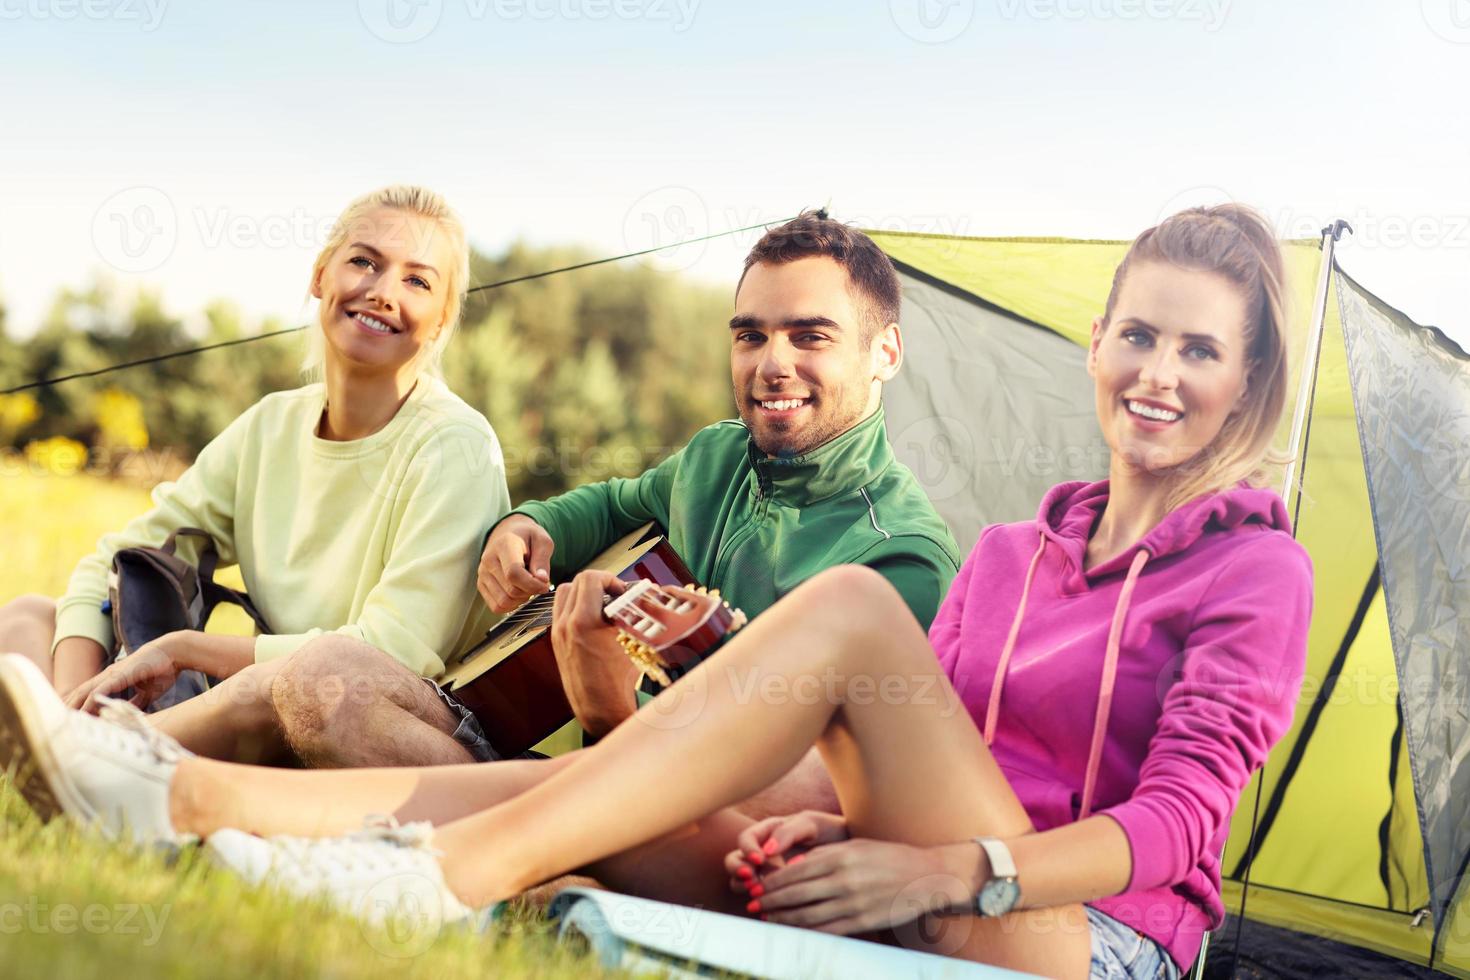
(150,671)
(854,886)
(771,842)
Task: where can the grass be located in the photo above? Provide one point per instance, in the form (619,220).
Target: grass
(74,905)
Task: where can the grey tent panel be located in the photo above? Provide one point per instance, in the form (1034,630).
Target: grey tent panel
(989,411)
(1411,394)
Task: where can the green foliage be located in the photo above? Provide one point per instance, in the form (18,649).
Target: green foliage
(584,375)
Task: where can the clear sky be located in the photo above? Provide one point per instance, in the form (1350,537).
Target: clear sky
(200,148)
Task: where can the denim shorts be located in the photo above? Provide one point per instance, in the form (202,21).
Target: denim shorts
(468,733)
(1120,952)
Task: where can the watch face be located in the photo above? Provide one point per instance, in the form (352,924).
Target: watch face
(999,896)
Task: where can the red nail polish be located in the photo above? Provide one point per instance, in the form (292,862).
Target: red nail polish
(797,859)
(771,847)
(757,890)
(744,872)
(753,906)
(756,857)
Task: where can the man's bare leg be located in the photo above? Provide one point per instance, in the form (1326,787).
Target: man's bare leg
(27,627)
(235,720)
(806,787)
(343,704)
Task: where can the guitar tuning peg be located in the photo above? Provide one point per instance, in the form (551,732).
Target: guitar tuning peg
(737,620)
(715,593)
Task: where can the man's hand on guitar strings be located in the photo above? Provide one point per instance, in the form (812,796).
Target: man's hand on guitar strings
(597,676)
(516,564)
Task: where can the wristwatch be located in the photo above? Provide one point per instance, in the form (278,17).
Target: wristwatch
(1002,892)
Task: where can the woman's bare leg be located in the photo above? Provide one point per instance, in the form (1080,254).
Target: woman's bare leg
(840,663)
(28,627)
(207,795)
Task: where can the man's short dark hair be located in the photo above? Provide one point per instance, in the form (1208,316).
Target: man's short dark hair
(870,273)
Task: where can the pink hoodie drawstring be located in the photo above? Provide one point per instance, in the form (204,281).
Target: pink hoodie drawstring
(1105,687)
(1109,672)
(992,710)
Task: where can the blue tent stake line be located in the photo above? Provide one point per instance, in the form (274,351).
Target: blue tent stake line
(640,934)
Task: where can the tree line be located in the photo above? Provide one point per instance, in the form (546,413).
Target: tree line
(584,375)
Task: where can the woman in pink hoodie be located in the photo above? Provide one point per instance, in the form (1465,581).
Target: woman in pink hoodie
(1108,677)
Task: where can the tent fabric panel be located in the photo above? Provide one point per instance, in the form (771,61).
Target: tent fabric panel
(1059,284)
(988,412)
(1407,880)
(1412,397)
(1063,284)
(1342,783)
(1452,939)
(1391,933)
(1352,733)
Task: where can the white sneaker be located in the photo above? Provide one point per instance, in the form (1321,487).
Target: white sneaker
(111,772)
(385,874)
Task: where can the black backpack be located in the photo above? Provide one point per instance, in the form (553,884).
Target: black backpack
(152,591)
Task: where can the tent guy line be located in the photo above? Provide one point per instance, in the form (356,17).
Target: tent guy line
(48,382)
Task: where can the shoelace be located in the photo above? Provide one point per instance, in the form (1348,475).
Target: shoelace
(121,717)
(382,844)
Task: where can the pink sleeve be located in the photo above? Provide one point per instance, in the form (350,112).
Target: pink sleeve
(1233,699)
(944,632)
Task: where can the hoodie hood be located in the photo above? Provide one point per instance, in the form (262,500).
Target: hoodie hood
(1070,511)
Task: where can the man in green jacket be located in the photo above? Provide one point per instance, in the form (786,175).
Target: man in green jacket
(804,481)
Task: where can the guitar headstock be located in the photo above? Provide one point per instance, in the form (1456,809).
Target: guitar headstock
(663,626)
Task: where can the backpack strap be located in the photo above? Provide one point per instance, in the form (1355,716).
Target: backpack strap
(208,556)
(214,594)
(212,591)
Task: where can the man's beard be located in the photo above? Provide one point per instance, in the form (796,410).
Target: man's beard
(781,439)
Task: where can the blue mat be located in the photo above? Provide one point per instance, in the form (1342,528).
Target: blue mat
(639,934)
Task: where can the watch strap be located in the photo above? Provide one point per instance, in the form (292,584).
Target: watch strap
(1002,865)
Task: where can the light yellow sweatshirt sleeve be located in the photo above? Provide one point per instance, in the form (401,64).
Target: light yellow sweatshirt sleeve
(203,497)
(452,489)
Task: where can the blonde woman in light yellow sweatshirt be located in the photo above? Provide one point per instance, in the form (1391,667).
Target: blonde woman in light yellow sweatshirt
(354,505)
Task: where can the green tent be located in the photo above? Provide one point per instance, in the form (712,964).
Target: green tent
(1362,819)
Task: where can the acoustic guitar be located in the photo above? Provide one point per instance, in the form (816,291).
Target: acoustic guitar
(510,680)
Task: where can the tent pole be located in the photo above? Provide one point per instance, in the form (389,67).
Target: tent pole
(1308,383)
(1305,390)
